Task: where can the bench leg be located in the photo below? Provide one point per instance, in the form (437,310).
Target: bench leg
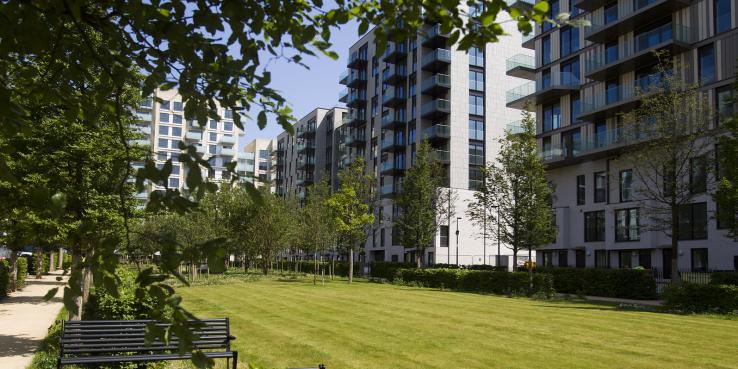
(235,359)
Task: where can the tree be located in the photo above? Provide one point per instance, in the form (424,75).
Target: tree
(447,204)
(481,210)
(271,227)
(726,195)
(317,222)
(516,187)
(352,208)
(672,136)
(418,202)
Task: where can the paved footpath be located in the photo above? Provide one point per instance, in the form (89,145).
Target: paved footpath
(24,320)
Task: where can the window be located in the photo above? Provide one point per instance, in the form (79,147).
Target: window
(177,106)
(263,154)
(626,185)
(476,130)
(212,149)
(175,169)
(581,189)
(625,259)
(653,36)
(212,136)
(571,142)
(228,114)
(724,104)
(722,15)
(476,57)
(600,134)
(570,72)
(164,130)
(476,153)
(161,156)
(611,52)
(563,258)
(693,221)
(476,105)
(611,13)
(163,143)
(698,175)
(476,80)
(475,178)
(707,63)
(551,117)
(164,105)
(612,91)
(594,226)
(164,117)
(173,182)
(644,259)
(177,131)
(626,225)
(600,181)
(725,215)
(573,10)
(546,49)
(213,124)
(176,118)
(553,12)
(699,260)
(545,79)
(569,40)
(575,103)
(601,259)
(444,236)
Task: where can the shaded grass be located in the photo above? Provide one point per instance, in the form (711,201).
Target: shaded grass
(366,325)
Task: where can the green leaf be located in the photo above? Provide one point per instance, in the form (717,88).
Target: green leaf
(541,7)
(261,119)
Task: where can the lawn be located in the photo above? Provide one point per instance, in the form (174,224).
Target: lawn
(292,323)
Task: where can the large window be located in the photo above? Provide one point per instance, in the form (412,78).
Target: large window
(611,13)
(626,185)
(177,106)
(626,225)
(444,236)
(611,52)
(573,10)
(693,221)
(551,117)
(600,134)
(475,177)
(476,153)
(707,63)
(575,103)
(476,105)
(553,12)
(476,57)
(612,90)
(722,15)
(569,40)
(698,175)
(600,182)
(581,189)
(571,142)
(476,129)
(594,226)
(570,72)
(699,260)
(546,49)
(625,259)
(476,80)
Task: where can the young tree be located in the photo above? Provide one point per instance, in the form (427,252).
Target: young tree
(418,201)
(671,135)
(271,226)
(447,205)
(481,210)
(351,207)
(317,225)
(519,192)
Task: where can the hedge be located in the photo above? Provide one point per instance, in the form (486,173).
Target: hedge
(729,278)
(307,266)
(4,278)
(482,281)
(701,298)
(386,270)
(44,263)
(22,272)
(103,305)
(634,284)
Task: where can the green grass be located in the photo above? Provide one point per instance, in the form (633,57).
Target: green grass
(282,324)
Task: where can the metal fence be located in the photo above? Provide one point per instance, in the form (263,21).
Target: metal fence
(664,279)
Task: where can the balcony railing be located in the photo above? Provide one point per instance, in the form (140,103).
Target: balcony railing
(630,16)
(392,143)
(436,107)
(442,156)
(436,58)
(305,161)
(394,96)
(614,98)
(436,83)
(544,88)
(306,130)
(394,73)
(391,166)
(433,36)
(343,96)
(228,140)
(522,66)
(356,98)
(520,92)
(355,117)
(142,116)
(436,132)
(599,141)
(389,190)
(393,119)
(515,127)
(356,79)
(355,138)
(305,146)
(343,79)
(394,51)
(357,59)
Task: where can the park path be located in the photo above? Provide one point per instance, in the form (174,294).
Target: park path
(25,318)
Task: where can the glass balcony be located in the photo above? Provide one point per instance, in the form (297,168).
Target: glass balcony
(355,138)
(356,79)
(389,190)
(306,130)
(143,116)
(343,96)
(443,156)
(395,118)
(228,140)
(355,117)
(146,103)
(343,79)
(436,59)
(529,41)
(394,97)
(436,108)
(227,152)
(515,127)
(436,84)
(434,37)
(615,99)
(517,97)
(598,144)
(613,62)
(357,59)
(356,98)
(521,66)
(200,149)
(193,136)
(394,51)
(305,162)
(635,13)
(305,146)
(547,87)
(391,143)
(140,142)
(395,73)
(391,167)
(437,132)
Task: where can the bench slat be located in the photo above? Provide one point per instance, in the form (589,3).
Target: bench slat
(139,358)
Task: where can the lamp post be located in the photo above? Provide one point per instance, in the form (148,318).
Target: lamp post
(457,241)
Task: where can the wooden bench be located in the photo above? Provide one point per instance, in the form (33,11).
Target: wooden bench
(119,341)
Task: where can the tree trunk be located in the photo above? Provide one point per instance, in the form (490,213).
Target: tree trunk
(13,271)
(52,261)
(39,264)
(514,262)
(418,263)
(333,265)
(61,258)
(76,264)
(315,270)
(675,277)
(530,269)
(351,265)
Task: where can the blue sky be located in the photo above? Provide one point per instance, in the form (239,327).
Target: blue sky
(306,89)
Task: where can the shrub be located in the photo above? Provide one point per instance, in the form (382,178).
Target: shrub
(620,283)
(44,263)
(4,277)
(729,278)
(386,270)
(103,305)
(482,281)
(700,298)
(22,272)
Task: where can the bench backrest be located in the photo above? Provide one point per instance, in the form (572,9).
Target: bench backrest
(106,336)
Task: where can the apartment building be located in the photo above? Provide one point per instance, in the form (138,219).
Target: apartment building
(257,163)
(583,79)
(162,126)
(426,89)
(309,155)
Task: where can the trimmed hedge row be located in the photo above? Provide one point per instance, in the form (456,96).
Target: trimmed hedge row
(620,283)
(702,298)
(387,270)
(4,277)
(483,281)
(470,267)
(307,266)
(728,278)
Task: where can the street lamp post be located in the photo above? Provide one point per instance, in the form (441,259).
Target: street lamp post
(457,241)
